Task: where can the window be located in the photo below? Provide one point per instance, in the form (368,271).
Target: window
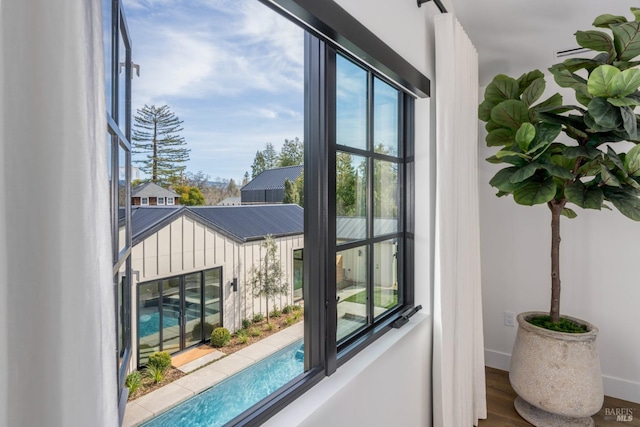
(118,87)
(170,201)
(194,298)
(368,197)
(144,201)
(160,201)
(298,274)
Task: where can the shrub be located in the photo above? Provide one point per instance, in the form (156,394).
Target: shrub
(269,326)
(160,360)
(196,331)
(258,317)
(133,381)
(290,320)
(242,337)
(296,307)
(220,337)
(155,373)
(255,332)
(276,313)
(246,323)
(287,309)
(296,317)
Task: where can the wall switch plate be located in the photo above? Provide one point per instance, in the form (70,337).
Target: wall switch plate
(509,318)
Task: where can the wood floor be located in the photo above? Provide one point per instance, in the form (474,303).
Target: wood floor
(501,413)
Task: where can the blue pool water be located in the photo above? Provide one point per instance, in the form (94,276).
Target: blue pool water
(229,398)
(149,323)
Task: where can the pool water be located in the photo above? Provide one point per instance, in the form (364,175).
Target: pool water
(149,323)
(229,398)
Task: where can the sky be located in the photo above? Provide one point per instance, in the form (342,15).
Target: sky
(232,70)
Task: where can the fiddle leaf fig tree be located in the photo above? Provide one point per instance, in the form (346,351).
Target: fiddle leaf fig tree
(563,155)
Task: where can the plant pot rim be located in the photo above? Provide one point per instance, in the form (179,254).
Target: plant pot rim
(590,335)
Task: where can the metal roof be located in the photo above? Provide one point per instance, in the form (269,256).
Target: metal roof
(273,179)
(241,223)
(252,222)
(354,227)
(150,189)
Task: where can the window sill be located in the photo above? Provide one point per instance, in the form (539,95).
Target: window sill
(307,410)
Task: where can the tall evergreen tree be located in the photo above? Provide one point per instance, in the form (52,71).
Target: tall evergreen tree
(156,132)
(258,165)
(270,156)
(291,195)
(291,153)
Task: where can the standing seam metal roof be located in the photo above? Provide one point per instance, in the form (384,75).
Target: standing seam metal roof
(273,179)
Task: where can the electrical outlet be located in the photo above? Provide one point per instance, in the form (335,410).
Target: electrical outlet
(509,318)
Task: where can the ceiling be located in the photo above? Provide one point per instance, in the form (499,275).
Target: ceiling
(515,36)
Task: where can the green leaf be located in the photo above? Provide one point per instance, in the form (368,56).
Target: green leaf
(632,161)
(636,13)
(566,78)
(615,159)
(596,40)
(525,135)
(625,65)
(625,83)
(501,88)
(502,180)
(623,102)
(587,152)
(548,131)
(626,202)
(527,78)
(484,110)
(605,115)
(569,213)
(500,137)
(606,206)
(630,122)
(491,125)
(524,173)
(608,178)
(504,153)
(510,114)
(600,80)
(632,182)
(575,64)
(583,97)
(554,100)
(591,123)
(494,160)
(535,193)
(627,40)
(583,196)
(603,21)
(534,91)
(558,171)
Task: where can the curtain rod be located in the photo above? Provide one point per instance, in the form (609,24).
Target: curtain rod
(437,2)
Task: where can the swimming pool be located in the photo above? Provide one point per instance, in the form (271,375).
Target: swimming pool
(229,398)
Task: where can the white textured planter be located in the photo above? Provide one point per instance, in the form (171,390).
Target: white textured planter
(556,375)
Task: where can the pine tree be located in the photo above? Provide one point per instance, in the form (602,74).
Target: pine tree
(291,153)
(290,192)
(258,165)
(245,179)
(156,135)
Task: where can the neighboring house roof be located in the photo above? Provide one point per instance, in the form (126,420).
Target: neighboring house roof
(240,223)
(149,189)
(273,179)
(229,201)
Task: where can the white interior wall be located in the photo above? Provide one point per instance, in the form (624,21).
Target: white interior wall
(599,273)
(389,383)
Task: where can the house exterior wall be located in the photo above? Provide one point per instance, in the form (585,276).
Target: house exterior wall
(186,246)
(262,196)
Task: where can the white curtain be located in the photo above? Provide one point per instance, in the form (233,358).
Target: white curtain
(458,372)
(57,321)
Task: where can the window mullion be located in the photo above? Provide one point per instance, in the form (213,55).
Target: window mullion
(370,200)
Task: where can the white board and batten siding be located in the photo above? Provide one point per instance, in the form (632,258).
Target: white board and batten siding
(186,246)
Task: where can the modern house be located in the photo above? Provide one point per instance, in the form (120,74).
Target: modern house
(195,263)
(67,331)
(268,187)
(230,201)
(151,194)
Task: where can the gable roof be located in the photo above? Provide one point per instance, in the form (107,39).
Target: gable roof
(240,223)
(273,179)
(253,222)
(150,189)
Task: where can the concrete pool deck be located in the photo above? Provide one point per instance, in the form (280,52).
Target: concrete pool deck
(158,401)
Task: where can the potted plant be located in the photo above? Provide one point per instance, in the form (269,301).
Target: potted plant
(555,367)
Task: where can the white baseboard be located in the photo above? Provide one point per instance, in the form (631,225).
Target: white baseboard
(613,387)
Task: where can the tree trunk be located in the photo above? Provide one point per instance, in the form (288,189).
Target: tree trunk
(154,175)
(556,209)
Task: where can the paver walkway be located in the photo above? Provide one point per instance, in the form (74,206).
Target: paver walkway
(162,399)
